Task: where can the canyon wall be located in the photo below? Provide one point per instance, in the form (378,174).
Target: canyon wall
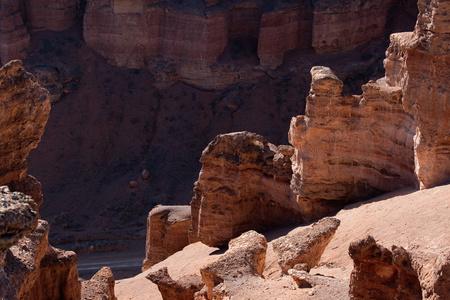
(215,45)
(418,62)
(243,184)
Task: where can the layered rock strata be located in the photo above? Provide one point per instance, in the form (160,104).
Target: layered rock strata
(348,148)
(14,36)
(305,246)
(214,45)
(32,269)
(167,232)
(419,63)
(100,286)
(243,184)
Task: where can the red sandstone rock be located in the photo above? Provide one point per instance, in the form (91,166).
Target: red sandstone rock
(33,269)
(244,258)
(243,185)
(167,232)
(305,246)
(25,109)
(182,289)
(419,63)
(100,286)
(14,37)
(382,274)
(348,148)
(51,15)
(342,25)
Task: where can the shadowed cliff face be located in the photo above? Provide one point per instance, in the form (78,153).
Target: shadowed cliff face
(111,123)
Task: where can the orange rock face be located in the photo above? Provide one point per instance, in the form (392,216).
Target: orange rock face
(214,45)
(167,232)
(351,147)
(33,269)
(100,286)
(419,63)
(243,184)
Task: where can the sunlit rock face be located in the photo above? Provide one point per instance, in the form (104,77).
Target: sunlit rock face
(349,147)
(419,63)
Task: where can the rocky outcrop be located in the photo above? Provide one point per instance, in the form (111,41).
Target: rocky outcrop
(221,47)
(167,232)
(100,286)
(182,289)
(419,62)
(26,108)
(349,148)
(342,25)
(245,257)
(32,269)
(305,246)
(381,273)
(51,15)
(14,36)
(243,185)
(18,217)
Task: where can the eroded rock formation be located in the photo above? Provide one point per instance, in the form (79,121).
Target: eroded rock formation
(167,232)
(305,246)
(223,34)
(245,257)
(100,286)
(14,36)
(419,63)
(381,273)
(348,148)
(32,269)
(182,289)
(243,184)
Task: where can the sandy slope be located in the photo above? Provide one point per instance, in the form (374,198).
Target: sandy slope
(407,218)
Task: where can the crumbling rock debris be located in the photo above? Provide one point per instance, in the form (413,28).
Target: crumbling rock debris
(100,286)
(18,217)
(167,232)
(182,289)
(305,246)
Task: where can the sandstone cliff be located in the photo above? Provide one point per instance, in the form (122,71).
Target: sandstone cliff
(419,63)
(228,40)
(243,184)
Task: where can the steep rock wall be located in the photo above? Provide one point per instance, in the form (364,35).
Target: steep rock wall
(419,63)
(351,147)
(14,36)
(243,184)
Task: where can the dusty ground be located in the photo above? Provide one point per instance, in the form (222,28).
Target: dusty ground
(404,218)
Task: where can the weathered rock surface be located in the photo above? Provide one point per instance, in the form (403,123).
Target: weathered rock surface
(305,246)
(349,148)
(341,25)
(419,62)
(182,289)
(100,286)
(32,269)
(18,217)
(243,185)
(25,110)
(245,257)
(14,36)
(167,232)
(51,15)
(148,33)
(380,273)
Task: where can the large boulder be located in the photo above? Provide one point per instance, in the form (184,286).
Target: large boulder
(100,286)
